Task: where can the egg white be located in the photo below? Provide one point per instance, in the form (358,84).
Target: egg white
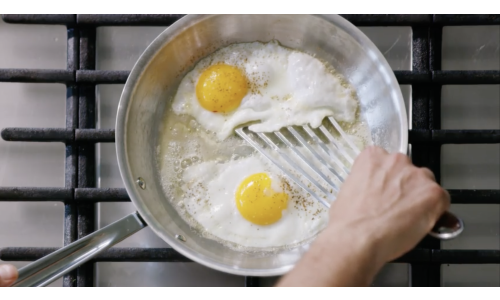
(287,88)
(210,200)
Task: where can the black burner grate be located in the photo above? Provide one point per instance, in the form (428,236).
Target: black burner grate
(80,135)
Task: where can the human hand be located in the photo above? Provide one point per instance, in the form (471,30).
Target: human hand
(8,275)
(390,202)
(384,208)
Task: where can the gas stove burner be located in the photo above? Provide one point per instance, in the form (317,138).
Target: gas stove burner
(80,135)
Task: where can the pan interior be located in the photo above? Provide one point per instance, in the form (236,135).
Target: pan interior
(154,80)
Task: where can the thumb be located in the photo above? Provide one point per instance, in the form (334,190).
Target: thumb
(8,274)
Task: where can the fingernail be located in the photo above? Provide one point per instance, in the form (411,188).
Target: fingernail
(7,272)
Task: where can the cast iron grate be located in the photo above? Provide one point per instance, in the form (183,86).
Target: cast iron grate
(80,77)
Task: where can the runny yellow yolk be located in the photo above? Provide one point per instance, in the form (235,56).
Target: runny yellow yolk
(221,88)
(257,202)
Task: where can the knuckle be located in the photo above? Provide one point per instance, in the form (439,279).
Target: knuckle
(435,190)
(438,195)
(373,150)
(447,201)
(399,159)
(446,197)
(425,173)
(370,153)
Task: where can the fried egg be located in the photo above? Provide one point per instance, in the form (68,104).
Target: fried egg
(221,186)
(264,83)
(247,203)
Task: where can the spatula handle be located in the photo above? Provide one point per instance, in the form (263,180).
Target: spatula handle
(447,227)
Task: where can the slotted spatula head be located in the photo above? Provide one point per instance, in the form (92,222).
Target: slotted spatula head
(319,160)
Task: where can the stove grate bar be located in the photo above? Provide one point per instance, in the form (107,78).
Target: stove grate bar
(100,195)
(169,19)
(120,77)
(416,136)
(79,136)
(115,254)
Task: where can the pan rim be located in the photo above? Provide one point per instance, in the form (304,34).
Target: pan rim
(120,138)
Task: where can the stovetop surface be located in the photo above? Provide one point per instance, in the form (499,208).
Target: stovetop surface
(28,164)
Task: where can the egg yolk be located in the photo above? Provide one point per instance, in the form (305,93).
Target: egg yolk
(221,88)
(257,202)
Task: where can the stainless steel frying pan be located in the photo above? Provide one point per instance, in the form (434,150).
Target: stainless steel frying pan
(152,83)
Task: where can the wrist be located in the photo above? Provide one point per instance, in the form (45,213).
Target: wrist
(340,256)
(353,250)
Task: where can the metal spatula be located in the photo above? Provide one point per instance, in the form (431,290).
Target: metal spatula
(324,156)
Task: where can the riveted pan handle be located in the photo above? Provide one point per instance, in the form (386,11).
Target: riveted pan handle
(49,268)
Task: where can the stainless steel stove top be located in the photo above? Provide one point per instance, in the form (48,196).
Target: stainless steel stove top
(40,224)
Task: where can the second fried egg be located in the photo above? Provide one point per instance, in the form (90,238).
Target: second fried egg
(246,203)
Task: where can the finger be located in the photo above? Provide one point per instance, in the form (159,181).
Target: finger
(428,173)
(443,218)
(371,154)
(8,275)
(377,150)
(446,200)
(441,203)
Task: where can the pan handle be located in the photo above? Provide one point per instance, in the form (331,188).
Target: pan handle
(447,227)
(49,268)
